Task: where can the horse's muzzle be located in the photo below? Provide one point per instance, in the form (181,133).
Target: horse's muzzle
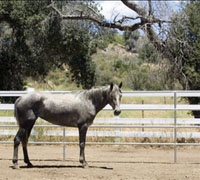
(117,112)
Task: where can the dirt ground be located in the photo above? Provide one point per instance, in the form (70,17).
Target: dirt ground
(105,163)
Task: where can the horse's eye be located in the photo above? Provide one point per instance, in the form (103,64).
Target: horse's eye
(112,96)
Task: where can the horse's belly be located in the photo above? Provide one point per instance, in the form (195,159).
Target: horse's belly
(65,113)
(71,121)
(61,117)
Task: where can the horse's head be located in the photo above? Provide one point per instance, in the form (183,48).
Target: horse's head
(115,95)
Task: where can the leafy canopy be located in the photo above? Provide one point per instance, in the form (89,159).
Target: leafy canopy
(34,40)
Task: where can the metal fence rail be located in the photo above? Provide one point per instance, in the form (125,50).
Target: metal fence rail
(174,123)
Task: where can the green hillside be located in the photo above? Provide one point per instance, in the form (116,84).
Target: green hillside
(113,64)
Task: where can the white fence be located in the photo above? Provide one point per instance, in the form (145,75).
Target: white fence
(119,123)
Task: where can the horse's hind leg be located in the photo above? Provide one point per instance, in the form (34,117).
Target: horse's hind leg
(24,144)
(20,134)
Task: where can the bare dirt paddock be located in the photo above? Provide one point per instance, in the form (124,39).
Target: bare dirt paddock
(105,163)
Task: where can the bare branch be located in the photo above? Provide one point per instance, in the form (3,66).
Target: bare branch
(145,20)
(99,22)
(104,23)
(92,10)
(132,5)
(115,18)
(55,9)
(150,8)
(115,24)
(125,18)
(153,37)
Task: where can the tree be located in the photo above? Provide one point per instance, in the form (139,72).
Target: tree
(15,55)
(35,39)
(148,53)
(185,41)
(176,39)
(131,39)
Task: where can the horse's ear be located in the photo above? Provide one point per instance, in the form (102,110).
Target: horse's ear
(111,86)
(120,85)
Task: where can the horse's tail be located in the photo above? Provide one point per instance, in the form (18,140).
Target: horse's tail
(16,114)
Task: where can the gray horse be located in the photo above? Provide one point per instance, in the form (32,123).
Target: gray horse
(73,110)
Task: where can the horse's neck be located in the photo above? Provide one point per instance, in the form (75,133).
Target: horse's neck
(99,99)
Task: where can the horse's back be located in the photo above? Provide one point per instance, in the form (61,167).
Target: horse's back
(61,109)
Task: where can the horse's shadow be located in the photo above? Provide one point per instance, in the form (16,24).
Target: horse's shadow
(97,167)
(81,167)
(61,166)
(64,166)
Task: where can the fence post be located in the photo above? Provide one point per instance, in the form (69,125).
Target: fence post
(143,115)
(175,133)
(64,144)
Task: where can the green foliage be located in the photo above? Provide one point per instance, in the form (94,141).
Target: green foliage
(75,49)
(139,78)
(148,77)
(118,39)
(185,48)
(109,68)
(15,54)
(116,65)
(56,80)
(131,39)
(109,36)
(34,40)
(192,63)
(148,53)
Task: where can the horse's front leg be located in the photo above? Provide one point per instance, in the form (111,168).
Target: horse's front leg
(82,137)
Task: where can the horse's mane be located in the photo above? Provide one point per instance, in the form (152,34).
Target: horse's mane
(96,92)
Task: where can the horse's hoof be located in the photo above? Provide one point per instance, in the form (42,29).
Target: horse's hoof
(29,165)
(15,166)
(85,165)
